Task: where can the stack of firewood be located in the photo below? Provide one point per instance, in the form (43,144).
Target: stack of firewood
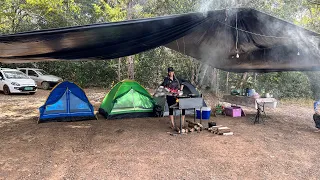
(220,130)
(197,127)
(193,126)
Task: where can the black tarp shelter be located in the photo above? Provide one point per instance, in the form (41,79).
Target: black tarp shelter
(264,43)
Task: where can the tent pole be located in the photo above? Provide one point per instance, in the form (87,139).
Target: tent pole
(68,101)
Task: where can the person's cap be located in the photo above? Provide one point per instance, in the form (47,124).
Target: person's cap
(170,69)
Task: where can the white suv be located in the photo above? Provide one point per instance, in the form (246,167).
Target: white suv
(14,81)
(43,79)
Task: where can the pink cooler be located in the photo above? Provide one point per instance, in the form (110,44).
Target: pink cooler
(233,111)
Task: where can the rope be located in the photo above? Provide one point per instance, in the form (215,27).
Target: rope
(279,37)
(226,14)
(237,32)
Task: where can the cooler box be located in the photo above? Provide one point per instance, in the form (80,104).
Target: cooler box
(206,111)
(233,111)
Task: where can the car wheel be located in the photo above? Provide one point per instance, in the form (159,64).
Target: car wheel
(32,93)
(6,90)
(45,85)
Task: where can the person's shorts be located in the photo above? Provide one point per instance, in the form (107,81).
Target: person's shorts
(171,100)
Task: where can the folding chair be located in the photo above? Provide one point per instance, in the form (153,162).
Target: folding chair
(260,112)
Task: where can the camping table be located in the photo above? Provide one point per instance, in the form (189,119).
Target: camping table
(186,102)
(250,101)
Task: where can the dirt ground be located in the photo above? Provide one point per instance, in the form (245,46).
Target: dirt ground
(285,147)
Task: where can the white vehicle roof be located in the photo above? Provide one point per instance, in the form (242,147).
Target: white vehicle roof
(30,68)
(6,69)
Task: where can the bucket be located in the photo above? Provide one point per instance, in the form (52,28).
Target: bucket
(210,124)
(206,111)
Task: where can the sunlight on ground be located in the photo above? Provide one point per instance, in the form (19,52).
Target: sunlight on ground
(80,127)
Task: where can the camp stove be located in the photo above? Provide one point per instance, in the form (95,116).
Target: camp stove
(190,101)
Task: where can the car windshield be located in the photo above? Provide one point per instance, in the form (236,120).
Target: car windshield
(15,75)
(42,72)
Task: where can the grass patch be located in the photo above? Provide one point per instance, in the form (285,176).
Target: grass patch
(297,101)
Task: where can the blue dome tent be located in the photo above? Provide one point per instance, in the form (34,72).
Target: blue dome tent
(66,102)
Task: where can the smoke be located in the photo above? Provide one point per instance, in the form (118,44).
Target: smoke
(205,5)
(290,47)
(212,49)
(203,73)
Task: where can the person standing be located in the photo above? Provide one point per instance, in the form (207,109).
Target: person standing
(316,116)
(175,87)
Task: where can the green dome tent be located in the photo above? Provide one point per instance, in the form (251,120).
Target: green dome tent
(127,99)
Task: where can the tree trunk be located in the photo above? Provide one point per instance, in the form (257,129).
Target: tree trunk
(119,69)
(227,83)
(202,73)
(130,59)
(213,79)
(197,74)
(255,80)
(192,71)
(217,81)
(243,79)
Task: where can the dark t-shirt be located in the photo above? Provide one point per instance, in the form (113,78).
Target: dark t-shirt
(172,84)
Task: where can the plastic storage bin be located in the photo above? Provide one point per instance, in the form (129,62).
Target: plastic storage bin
(233,111)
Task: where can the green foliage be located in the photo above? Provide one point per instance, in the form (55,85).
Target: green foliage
(314,83)
(85,73)
(165,7)
(151,66)
(109,12)
(285,84)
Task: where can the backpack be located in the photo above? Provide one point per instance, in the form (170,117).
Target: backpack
(157,111)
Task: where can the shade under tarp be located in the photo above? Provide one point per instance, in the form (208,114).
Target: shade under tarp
(263,42)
